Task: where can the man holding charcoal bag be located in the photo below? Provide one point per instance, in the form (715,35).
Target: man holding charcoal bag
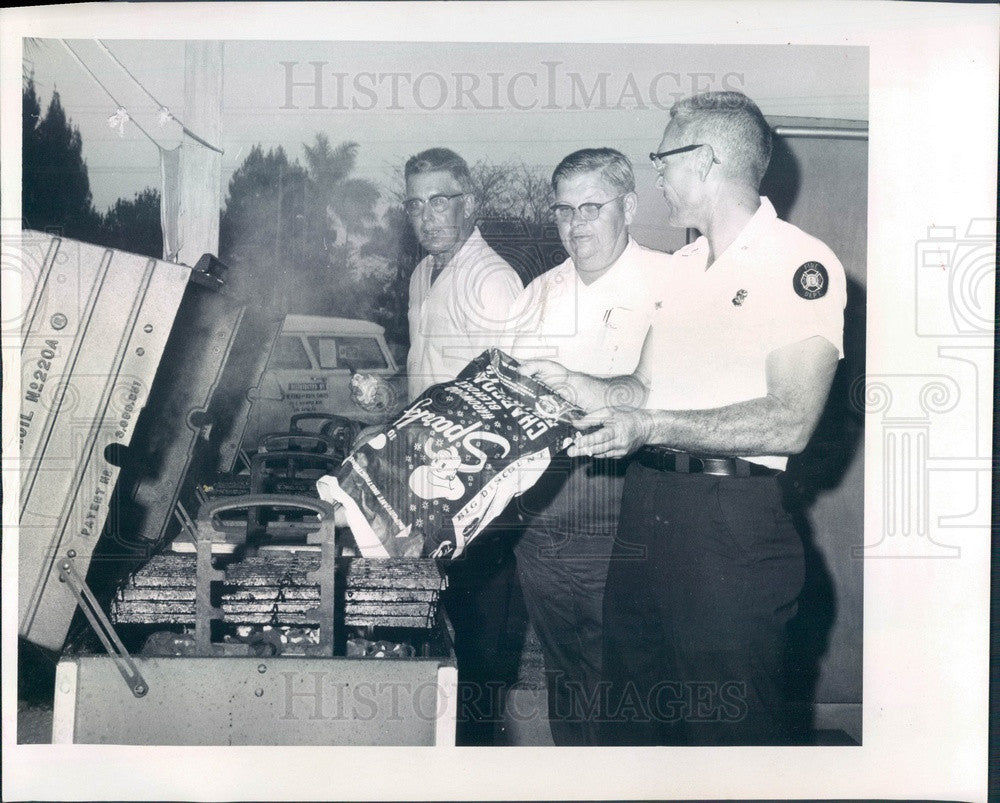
(591,314)
(460,299)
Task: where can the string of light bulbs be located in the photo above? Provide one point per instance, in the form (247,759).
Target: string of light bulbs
(121,115)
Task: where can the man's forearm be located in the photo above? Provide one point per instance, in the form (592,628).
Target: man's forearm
(618,393)
(754,427)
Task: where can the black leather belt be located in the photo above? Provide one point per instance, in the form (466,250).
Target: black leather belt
(684,463)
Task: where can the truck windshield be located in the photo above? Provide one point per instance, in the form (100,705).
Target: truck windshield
(356,353)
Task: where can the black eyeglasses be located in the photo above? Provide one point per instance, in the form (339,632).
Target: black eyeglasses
(657,158)
(414,206)
(588,211)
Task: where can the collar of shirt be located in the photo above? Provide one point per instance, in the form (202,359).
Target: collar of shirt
(473,244)
(762,219)
(628,253)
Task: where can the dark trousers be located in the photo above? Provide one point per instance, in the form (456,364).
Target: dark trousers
(484,604)
(562,563)
(695,629)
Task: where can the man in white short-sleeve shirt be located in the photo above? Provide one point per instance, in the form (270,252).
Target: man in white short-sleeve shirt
(461,295)
(591,313)
(738,368)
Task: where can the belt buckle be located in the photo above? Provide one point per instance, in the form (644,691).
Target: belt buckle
(718,466)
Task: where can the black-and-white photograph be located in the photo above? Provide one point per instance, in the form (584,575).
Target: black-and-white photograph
(438,393)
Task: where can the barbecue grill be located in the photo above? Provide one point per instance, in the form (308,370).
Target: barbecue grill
(221,604)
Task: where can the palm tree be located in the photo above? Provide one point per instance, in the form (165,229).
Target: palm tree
(347,203)
(294,234)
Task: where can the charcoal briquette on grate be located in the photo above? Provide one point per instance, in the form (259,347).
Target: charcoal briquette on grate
(273,585)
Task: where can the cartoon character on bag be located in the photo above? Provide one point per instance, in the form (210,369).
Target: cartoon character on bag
(439,478)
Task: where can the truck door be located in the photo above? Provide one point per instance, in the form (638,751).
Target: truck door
(338,356)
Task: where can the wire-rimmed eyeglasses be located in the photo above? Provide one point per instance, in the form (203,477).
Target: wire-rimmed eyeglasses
(439,203)
(588,211)
(657,158)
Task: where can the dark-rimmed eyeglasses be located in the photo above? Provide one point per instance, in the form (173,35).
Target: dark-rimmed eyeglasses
(588,211)
(439,203)
(657,158)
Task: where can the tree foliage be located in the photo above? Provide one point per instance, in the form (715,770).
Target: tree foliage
(55,187)
(293,234)
(262,229)
(134,225)
(349,202)
(397,245)
(511,191)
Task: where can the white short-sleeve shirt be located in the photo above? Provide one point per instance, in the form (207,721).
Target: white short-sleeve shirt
(598,329)
(464,312)
(774,286)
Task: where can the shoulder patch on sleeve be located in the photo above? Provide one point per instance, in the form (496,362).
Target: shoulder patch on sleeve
(811,281)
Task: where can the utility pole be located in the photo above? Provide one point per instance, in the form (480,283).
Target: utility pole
(280,264)
(201,167)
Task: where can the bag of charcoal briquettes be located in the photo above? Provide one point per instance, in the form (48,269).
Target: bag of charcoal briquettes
(451,461)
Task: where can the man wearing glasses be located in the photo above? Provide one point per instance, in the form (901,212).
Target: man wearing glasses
(737,369)
(462,292)
(591,313)
(461,296)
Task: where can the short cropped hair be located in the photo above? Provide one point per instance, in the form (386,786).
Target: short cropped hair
(614,167)
(434,159)
(733,125)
